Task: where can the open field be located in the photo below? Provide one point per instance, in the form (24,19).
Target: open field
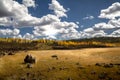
(80,64)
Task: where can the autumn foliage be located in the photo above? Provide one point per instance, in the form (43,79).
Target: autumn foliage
(22,44)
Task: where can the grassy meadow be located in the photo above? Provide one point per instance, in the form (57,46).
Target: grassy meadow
(78,64)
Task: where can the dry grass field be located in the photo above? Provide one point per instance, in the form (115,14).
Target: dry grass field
(80,64)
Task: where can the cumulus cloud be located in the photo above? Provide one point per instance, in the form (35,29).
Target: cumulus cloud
(112,24)
(74,35)
(98,30)
(91,32)
(17,15)
(88,17)
(115,33)
(51,26)
(30,21)
(115,23)
(9,32)
(18,36)
(12,8)
(13,13)
(55,29)
(29,3)
(28,36)
(52,30)
(77,22)
(88,30)
(111,12)
(5,21)
(103,26)
(57,8)
(50,37)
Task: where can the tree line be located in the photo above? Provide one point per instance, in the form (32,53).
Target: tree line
(11,44)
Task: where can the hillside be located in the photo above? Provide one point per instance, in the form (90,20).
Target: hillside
(10,45)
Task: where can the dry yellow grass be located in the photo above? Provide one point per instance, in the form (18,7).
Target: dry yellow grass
(67,66)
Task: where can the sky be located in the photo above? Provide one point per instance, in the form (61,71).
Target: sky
(59,19)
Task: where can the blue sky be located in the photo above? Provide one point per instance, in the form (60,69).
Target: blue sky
(59,19)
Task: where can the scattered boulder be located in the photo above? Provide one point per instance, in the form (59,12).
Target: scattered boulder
(93,72)
(22,78)
(118,64)
(29,59)
(81,67)
(10,53)
(69,78)
(108,65)
(29,65)
(53,68)
(55,56)
(109,78)
(28,74)
(98,64)
(63,68)
(77,63)
(102,75)
(66,58)
(118,72)
(2,54)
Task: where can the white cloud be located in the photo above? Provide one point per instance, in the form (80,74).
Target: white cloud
(30,21)
(88,17)
(9,8)
(51,37)
(18,36)
(88,30)
(13,13)
(55,29)
(9,32)
(17,15)
(112,24)
(103,26)
(98,30)
(28,36)
(51,26)
(77,22)
(74,35)
(29,3)
(16,31)
(5,21)
(91,32)
(115,33)
(115,23)
(57,8)
(111,12)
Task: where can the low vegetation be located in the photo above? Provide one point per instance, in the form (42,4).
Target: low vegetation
(83,64)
